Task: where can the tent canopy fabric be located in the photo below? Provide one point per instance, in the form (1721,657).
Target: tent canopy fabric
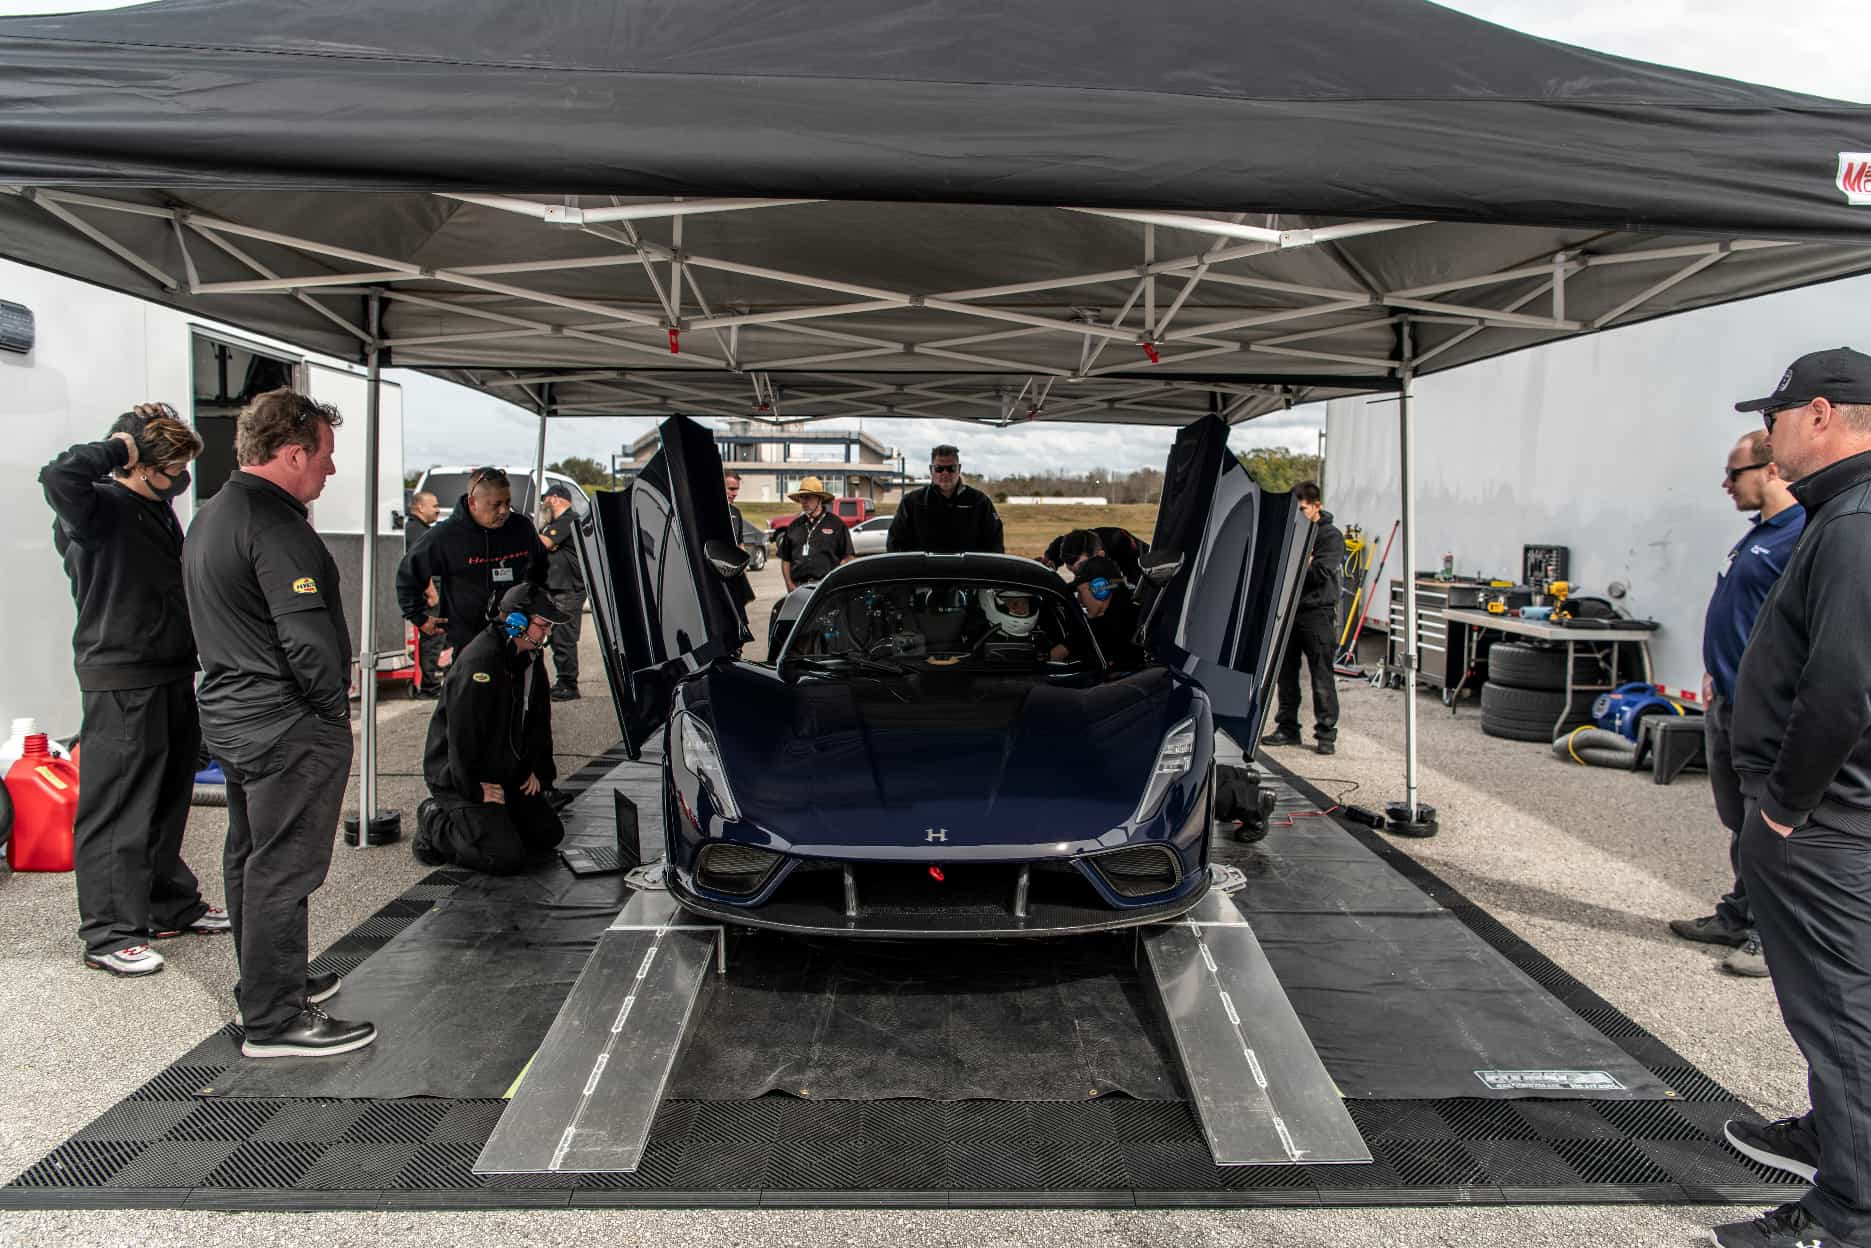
(1066,209)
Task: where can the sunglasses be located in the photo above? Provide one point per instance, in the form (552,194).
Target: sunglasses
(1734,474)
(945,468)
(1768,418)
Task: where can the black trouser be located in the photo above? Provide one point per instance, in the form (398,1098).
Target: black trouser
(565,639)
(139,749)
(1811,894)
(1718,727)
(493,837)
(282,817)
(1314,638)
(429,647)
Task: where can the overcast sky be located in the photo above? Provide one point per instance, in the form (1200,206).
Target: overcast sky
(1815,46)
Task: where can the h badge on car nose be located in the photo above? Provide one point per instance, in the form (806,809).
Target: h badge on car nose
(936,834)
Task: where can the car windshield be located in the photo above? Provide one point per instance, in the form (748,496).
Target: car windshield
(935,625)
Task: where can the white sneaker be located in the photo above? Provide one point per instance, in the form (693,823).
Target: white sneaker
(130,961)
(213,922)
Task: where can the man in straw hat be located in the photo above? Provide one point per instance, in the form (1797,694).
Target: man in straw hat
(816,541)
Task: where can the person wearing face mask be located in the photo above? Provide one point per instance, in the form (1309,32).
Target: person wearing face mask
(135,657)
(488,757)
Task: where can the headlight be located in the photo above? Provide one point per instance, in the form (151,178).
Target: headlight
(1173,760)
(703,759)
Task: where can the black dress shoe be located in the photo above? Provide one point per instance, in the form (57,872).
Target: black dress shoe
(1326,747)
(318,988)
(313,1033)
(1280,738)
(565,693)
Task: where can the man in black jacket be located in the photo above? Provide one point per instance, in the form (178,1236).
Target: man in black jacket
(424,511)
(945,517)
(488,759)
(1112,612)
(135,657)
(480,552)
(264,597)
(565,581)
(1123,547)
(1802,746)
(1315,632)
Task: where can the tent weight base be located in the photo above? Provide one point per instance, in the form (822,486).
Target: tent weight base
(1400,823)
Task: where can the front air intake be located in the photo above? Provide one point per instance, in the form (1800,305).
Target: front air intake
(736,870)
(1139,871)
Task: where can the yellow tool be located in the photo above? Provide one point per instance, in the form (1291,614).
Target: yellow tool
(1559,591)
(1497,606)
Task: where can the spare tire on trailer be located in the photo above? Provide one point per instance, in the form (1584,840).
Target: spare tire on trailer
(1526,666)
(1531,714)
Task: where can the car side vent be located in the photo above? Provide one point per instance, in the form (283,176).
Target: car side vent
(737,870)
(1139,870)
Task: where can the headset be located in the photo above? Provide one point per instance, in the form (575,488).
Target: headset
(516,624)
(1100,587)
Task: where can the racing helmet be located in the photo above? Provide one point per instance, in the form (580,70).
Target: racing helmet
(1012,611)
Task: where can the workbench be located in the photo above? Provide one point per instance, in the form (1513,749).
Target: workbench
(1571,636)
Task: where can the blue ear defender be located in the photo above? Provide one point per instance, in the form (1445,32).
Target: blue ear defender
(516,623)
(1100,587)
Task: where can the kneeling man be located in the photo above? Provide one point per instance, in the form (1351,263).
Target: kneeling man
(488,761)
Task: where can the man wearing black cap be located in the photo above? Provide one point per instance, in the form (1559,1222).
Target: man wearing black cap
(1125,548)
(1802,747)
(565,581)
(1315,632)
(488,759)
(1100,589)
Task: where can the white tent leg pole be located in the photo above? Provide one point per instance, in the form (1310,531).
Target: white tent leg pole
(1406,441)
(367,617)
(539,453)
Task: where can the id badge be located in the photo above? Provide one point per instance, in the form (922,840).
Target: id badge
(503,575)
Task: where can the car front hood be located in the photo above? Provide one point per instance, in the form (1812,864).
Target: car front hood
(999,765)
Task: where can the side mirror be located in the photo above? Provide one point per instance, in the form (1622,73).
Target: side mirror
(1159,566)
(728,559)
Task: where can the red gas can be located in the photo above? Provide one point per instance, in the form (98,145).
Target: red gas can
(44,790)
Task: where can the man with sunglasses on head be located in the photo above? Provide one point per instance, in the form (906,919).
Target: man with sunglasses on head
(135,655)
(1752,567)
(1802,747)
(483,549)
(947,516)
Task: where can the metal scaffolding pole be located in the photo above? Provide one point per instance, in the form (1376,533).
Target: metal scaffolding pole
(539,454)
(1411,816)
(367,617)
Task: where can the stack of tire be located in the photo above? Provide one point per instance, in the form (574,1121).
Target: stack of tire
(1526,690)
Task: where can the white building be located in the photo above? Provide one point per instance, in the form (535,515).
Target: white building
(96,355)
(1611,444)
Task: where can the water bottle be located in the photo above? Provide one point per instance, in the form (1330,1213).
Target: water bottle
(1448,567)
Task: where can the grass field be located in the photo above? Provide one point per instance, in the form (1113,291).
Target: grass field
(1028,529)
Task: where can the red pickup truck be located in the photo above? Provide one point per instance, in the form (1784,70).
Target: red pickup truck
(853,511)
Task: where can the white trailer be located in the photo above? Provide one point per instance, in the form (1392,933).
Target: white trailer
(96,354)
(1612,445)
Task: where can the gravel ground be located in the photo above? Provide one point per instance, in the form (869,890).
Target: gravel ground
(1585,864)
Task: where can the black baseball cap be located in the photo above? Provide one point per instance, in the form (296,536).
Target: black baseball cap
(1841,375)
(558,489)
(1095,567)
(532,600)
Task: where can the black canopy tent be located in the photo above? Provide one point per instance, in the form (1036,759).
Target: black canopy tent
(1045,211)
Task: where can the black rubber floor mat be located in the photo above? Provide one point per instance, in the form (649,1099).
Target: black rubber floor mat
(165,1147)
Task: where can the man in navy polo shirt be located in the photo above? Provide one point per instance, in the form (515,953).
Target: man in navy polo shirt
(1754,482)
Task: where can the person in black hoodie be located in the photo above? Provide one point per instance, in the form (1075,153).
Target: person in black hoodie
(1315,632)
(1801,744)
(488,758)
(135,656)
(1112,612)
(482,550)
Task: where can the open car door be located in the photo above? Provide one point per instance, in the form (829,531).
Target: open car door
(662,555)
(1222,578)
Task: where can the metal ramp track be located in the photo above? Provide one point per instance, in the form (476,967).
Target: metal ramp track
(1259,1088)
(586,1103)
